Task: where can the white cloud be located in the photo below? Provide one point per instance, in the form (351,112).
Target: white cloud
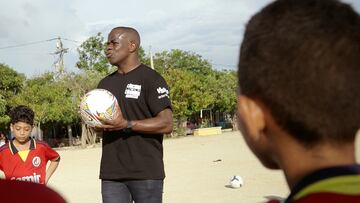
(32,21)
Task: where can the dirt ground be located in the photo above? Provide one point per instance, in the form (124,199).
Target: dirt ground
(198,170)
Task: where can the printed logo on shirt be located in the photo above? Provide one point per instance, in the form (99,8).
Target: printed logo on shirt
(132,91)
(163,92)
(35,178)
(36,161)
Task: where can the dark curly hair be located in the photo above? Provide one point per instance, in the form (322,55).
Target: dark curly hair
(301,58)
(22,113)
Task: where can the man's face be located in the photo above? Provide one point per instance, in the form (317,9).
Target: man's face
(117,49)
(21,131)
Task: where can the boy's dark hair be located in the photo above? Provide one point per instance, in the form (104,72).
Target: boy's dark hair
(301,58)
(22,113)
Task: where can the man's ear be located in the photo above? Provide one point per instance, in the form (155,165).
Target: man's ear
(251,115)
(132,46)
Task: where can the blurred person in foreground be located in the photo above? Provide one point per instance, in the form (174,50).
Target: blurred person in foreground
(299,96)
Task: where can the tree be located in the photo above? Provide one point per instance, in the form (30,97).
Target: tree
(92,55)
(224,90)
(183,60)
(11,83)
(79,85)
(188,76)
(194,84)
(51,99)
(4,119)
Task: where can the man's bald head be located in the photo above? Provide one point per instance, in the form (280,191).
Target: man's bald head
(130,33)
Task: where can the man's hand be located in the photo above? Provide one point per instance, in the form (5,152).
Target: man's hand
(118,123)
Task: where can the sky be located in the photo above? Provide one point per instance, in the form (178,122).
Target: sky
(210,28)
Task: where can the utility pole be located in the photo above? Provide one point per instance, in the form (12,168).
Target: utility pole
(60,51)
(151,59)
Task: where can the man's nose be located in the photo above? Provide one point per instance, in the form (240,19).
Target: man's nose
(109,46)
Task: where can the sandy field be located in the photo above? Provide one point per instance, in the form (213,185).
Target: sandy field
(198,170)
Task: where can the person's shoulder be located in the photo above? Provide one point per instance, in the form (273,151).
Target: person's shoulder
(108,77)
(42,144)
(328,197)
(111,74)
(30,192)
(149,73)
(273,201)
(4,147)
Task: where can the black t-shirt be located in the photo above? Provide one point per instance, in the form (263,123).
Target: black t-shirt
(142,93)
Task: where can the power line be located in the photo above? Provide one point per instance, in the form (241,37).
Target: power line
(27,44)
(225,65)
(70,40)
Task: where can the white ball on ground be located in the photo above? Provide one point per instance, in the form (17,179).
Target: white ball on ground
(236,181)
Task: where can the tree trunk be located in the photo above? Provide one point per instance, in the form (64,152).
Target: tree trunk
(179,127)
(88,136)
(40,132)
(69,130)
(83,135)
(234,122)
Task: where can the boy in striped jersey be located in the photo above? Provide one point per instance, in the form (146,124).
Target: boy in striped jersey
(299,99)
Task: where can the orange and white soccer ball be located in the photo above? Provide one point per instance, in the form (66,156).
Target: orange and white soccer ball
(98,106)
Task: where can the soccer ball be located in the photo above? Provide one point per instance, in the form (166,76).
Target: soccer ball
(236,182)
(97,106)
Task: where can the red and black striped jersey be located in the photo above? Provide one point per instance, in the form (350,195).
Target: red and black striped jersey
(332,185)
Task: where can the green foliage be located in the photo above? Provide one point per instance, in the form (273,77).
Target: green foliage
(142,56)
(11,82)
(2,105)
(183,60)
(51,100)
(92,55)
(181,92)
(4,119)
(223,88)
(189,78)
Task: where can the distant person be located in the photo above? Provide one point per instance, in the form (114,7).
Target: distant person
(24,158)
(2,138)
(36,134)
(19,191)
(132,167)
(299,101)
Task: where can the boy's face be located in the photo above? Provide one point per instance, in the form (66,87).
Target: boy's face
(21,131)
(253,126)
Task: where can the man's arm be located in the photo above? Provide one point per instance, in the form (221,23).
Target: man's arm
(162,123)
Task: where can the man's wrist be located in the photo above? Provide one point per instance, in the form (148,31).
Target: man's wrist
(129,125)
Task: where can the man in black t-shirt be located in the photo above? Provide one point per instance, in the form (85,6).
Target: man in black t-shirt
(132,166)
